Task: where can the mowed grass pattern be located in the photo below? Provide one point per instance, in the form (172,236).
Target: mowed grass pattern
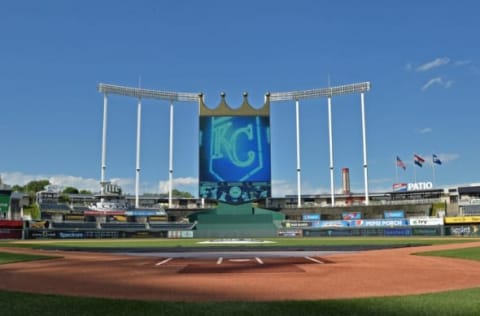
(464,302)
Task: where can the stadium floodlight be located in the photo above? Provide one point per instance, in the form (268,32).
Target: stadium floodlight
(148,94)
(329,92)
(142,94)
(320,93)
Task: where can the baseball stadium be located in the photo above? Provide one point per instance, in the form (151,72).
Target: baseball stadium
(235,249)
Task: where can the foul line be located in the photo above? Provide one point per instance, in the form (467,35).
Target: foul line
(163,262)
(314,260)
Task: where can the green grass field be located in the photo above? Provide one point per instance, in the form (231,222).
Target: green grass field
(6,257)
(463,302)
(277,242)
(471,253)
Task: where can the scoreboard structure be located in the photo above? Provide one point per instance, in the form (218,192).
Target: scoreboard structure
(234,152)
(234,144)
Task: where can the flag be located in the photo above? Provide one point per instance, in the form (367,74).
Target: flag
(436,160)
(400,163)
(418,160)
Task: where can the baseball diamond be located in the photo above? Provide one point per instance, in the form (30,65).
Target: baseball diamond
(241,276)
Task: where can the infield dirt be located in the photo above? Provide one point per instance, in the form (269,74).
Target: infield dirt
(361,274)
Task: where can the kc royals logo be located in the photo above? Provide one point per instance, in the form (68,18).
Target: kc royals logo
(237,147)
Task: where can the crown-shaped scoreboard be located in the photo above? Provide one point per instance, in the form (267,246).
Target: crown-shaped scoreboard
(234,152)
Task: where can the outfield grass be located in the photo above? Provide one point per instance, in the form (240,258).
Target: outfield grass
(463,302)
(6,257)
(471,253)
(278,242)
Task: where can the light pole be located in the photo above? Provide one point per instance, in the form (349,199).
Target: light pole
(137,170)
(327,93)
(140,93)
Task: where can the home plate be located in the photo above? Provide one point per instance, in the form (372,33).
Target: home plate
(246,265)
(239,260)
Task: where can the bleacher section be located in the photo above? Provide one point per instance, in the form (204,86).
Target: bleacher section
(172,226)
(471,210)
(54,207)
(77,225)
(80,208)
(123,226)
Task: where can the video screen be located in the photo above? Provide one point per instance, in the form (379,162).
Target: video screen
(234,157)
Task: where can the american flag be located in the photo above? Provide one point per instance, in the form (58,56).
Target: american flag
(401,164)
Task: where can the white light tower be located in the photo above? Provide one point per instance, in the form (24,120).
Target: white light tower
(139,94)
(137,169)
(328,93)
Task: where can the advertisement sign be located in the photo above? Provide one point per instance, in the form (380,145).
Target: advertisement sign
(70,235)
(415,186)
(418,186)
(297,224)
(360,223)
(351,215)
(425,221)
(144,213)
(180,234)
(400,187)
(462,219)
(394,214)
(332,224)
(311,217)
(289,233)
(380,222)
(4,201)
(464,230)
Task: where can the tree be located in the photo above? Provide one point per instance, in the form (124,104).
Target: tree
(36,186)
(33,210)
(64,198)
(181,194)
(175,193)
(18,188)
(70,190)
(85,192)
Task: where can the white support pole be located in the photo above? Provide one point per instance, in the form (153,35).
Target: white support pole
(330,142)
(297,120)
(137,173)
(104,143)
(170,163)
(364,139)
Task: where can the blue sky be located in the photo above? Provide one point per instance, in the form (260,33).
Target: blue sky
(421,57)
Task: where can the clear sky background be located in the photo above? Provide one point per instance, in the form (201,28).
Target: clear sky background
(421,57)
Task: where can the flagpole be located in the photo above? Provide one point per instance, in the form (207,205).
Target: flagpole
(433,171)
(414,171)
(396,170)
